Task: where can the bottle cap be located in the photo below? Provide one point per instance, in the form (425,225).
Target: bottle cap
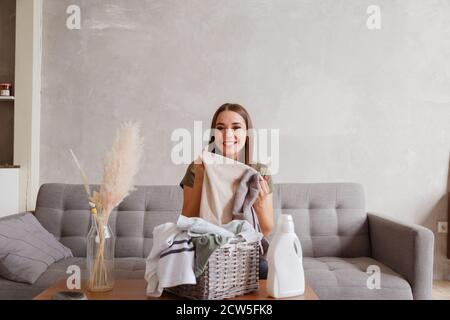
(286,223)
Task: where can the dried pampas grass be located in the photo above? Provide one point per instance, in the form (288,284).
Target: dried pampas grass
(119,171)
(120,167)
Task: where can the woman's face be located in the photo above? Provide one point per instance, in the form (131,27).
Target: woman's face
(230,133)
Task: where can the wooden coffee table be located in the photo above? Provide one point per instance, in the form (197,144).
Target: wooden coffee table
(136,290)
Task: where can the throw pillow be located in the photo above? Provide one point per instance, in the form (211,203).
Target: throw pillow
(27,249)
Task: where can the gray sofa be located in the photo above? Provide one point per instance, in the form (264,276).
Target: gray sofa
(340,240)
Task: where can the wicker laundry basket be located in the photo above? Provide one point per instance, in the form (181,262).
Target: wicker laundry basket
(231,271)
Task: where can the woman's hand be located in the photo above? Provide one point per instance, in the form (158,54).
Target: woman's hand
(263,193)
(264,208)
(199,167)
(199,170)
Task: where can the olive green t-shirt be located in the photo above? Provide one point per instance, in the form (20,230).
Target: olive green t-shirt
(188,179)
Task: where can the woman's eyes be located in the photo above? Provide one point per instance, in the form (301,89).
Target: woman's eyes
(234,128)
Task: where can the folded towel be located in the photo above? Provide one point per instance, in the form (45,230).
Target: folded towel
(246,195)
(221,179)
(171,260)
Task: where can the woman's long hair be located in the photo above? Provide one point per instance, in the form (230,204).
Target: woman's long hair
(248,147)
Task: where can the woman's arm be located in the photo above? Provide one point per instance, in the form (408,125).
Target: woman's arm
(191,201)
(264,209)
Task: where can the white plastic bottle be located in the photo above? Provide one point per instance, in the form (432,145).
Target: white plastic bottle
(286,277)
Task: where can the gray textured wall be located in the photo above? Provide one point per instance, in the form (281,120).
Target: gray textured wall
(351,104)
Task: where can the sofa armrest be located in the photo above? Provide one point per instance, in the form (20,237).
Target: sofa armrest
(407,249)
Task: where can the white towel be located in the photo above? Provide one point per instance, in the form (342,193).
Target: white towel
(220,182)
(171,260)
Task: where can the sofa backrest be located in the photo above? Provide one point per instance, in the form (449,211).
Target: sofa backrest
(329,218)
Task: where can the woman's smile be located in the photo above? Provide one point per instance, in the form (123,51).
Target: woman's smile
(229,143)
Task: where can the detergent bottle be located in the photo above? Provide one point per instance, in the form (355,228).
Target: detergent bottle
(286,277)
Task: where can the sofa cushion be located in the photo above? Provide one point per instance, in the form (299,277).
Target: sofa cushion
(125,268)
(346,278)
(27,249)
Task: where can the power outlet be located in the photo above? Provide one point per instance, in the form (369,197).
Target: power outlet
(442,227)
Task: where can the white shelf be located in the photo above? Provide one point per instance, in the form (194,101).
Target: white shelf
(9,189)
(2,98)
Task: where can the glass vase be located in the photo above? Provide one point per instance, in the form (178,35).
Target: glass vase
(100,255)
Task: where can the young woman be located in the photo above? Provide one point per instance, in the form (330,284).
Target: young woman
(231,139)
